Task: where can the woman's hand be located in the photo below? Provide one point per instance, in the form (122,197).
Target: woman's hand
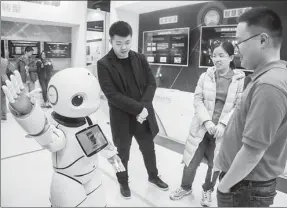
(40,62)
(48,63)
(219,130)
(210,127)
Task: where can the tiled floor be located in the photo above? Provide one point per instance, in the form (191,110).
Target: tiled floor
(26,174)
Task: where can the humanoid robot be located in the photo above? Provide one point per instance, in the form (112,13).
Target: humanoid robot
(69,133)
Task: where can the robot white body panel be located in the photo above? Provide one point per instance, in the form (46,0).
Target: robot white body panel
(73,168)
(71,160)
(76,180)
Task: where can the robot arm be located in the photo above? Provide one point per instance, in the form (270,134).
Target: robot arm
(109,152)
(36,124)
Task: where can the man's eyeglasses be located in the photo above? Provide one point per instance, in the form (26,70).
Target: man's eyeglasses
(238,43)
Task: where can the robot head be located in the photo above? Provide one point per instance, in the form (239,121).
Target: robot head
(74,93)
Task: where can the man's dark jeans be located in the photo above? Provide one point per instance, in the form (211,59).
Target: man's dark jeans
(248,194)
(205,149)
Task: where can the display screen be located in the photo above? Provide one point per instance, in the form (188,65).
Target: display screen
(211,36)
(58,50)
(92,140)
(167,47)
(2,49)
(17,47)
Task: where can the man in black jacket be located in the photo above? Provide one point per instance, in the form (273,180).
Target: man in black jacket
(129,85)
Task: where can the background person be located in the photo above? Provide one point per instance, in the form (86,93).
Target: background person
(44,71)
(6,70)
(4,66)
(26,65)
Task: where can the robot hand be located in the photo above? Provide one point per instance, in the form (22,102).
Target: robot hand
(117,163)
(18,99)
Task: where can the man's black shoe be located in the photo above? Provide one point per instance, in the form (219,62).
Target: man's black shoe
(125,191)
(159,183)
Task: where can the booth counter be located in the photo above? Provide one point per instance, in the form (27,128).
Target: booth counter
(174,112)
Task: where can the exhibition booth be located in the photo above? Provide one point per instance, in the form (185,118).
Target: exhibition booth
(176,39)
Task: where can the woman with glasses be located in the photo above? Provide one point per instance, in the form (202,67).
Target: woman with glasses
(217,93)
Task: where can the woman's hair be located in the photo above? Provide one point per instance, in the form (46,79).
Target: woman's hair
(229,49)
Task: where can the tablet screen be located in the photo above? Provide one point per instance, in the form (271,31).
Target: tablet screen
(92,140)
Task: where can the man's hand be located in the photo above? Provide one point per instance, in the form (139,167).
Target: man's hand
(142,116)
(219,130)
(144,113)
(140,119)
(210,127)
(117,163)
(223,189)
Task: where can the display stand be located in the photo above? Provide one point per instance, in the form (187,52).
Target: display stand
(174,110)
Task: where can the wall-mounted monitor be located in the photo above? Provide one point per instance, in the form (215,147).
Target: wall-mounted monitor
(2,49)
(16,48)
(212,35)
(57,50)
(167,47)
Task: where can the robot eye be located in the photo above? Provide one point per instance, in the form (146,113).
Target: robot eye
(53,95)
(77,100)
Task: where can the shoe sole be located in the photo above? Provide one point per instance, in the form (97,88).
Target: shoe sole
(126,197)
(163,189)
(203,204)
(178,198)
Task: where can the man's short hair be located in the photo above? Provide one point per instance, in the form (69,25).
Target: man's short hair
(265,18)
(120,28)
(28,49)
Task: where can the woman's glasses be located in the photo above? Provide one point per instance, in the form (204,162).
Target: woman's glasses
(221,56)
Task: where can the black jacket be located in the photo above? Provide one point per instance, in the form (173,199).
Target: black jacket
(114,86)
(44,73)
